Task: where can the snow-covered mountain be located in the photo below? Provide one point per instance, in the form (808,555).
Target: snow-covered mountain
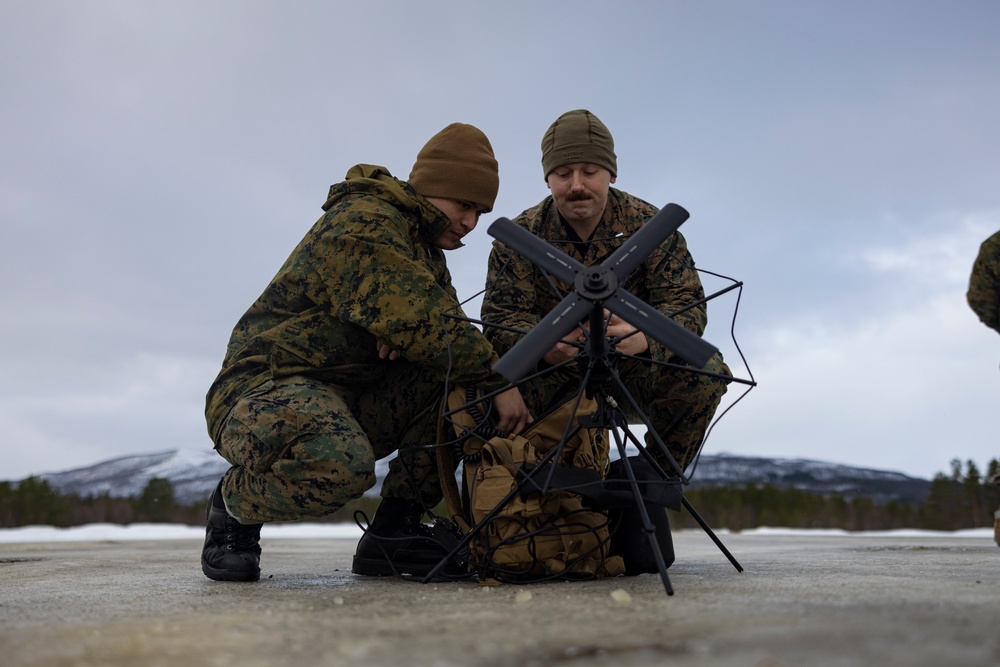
(194,473)
(807,475)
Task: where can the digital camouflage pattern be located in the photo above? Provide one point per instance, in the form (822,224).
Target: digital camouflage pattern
(303,405)
(301,447)
(680,404)
(984,283)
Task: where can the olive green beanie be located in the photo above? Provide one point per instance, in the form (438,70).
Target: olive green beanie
(578,136)
(457,163)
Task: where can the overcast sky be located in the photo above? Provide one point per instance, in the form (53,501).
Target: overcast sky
(159,160)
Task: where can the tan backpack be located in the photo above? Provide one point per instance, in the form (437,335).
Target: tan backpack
(532,536)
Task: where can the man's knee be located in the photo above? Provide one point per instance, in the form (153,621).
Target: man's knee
(698,391)
(297,451)
(315,478)
(329,465)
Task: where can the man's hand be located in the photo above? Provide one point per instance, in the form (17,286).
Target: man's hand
(635,344)
(384,351)
(512,413)
(563,351)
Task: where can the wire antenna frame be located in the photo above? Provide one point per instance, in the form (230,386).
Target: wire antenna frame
(596,289)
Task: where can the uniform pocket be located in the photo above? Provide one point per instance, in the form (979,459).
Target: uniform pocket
(258,431)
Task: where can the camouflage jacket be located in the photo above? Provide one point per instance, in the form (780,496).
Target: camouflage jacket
(518,294)
(984,283)
(367,271)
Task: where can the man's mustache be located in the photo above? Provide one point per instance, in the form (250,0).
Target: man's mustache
(579,196)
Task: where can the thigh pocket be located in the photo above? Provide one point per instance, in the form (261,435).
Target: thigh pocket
(260,429)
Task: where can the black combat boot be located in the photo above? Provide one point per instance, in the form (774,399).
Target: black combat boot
(396,543)
(232,549)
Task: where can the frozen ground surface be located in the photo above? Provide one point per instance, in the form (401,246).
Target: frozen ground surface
(159,531)
(102,595)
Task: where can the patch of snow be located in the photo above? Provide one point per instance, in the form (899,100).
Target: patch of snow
(106,532)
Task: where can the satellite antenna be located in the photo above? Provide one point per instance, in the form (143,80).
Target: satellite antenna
(597,288)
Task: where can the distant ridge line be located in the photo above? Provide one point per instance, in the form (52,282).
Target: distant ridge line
(194,473)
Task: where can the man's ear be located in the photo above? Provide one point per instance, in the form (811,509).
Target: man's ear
(614,178)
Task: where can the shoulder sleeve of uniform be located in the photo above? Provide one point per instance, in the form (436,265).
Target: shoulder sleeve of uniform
(984,283)
(672,284)
(398,289)
(510,300)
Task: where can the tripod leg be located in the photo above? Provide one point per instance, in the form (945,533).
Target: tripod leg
(711,533)
(647,524)
(684,501)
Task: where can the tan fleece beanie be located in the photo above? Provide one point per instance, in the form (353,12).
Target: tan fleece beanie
(578,136)
(457,163)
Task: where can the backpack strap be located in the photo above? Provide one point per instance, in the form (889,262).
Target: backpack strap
(449,485)
(462,427)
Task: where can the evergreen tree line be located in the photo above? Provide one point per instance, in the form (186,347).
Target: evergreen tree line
(33,501)
(964,498)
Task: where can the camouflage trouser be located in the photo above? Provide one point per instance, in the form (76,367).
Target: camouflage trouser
(303,448)
(679,404)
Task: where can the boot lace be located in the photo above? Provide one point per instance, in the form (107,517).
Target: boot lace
(241,538)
